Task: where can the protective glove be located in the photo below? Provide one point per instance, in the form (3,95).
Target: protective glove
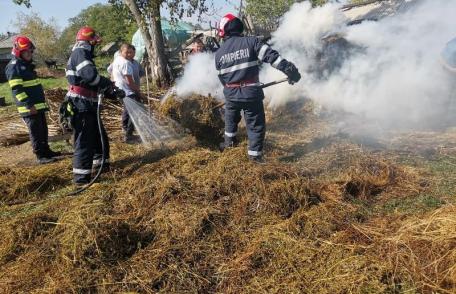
(292,73)
(119,93)
(113,92)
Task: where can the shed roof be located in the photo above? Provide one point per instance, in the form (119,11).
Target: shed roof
(375,10)
(7,42)
(110,46)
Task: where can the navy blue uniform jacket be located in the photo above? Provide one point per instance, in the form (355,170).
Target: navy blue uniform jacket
(238,61)
(26,88)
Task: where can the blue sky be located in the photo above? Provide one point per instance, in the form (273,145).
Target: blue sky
(62,10)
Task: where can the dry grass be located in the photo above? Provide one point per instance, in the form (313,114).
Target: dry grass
(25,184)
(192,220)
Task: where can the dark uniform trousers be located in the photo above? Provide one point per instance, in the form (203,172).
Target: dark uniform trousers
(255,121)
(38,132)
(238,61)
(127,123)
(87,146)
(85,82)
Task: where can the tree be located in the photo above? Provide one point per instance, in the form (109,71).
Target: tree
(112,24)
(147,15)
(267,13)
(45,34)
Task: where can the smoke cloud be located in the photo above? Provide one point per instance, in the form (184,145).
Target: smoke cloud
(386,71)
(389,71)
(200,77)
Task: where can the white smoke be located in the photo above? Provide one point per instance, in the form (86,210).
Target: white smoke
(391,74)
(394,77)
(298,37)
(200,77)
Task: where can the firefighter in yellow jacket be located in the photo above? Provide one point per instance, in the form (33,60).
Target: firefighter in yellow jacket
(29,97)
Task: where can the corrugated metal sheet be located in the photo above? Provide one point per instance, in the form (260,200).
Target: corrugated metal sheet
(6,45)
(380,10)
(7,42)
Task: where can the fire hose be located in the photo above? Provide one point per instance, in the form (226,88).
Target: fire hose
(262,86)
(119,94)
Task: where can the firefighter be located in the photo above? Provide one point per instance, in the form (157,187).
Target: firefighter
(84,84)
(28,94)
(238,63)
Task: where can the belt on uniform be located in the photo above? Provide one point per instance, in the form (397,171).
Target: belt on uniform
(82,91)
(243,84)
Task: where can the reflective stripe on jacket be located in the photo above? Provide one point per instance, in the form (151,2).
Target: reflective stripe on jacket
(82,72)
(26,89)
(238,60)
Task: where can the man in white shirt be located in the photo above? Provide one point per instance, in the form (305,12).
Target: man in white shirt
(126,73)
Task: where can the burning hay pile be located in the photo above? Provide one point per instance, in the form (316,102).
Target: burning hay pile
(204,221)
(198,114)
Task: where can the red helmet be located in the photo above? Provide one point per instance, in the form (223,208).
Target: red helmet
(88,34)
(225,20)
(21,43)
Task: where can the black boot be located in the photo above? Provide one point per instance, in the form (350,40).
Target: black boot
(81,180)
(106,168)
(53,154)
(229,143)
(257,159)
(45,160)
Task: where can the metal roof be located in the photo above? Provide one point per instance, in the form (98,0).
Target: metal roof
(7,42)
(110,46)
(379,9)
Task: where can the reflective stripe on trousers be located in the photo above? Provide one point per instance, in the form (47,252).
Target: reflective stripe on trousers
(38,106)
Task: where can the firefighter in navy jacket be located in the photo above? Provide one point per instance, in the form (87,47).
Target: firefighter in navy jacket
(84,84)
(238,63)
(29,97)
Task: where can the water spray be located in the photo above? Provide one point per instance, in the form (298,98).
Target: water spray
(149,127)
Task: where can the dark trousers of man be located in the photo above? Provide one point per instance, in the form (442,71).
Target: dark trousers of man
(127,123)
(38,132)
(255,122)
(87,146)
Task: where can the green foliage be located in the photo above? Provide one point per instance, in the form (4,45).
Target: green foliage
(176,8)
(23,2)
(44,34)
(111,23)
(268,12)
(5,91)
(48,83)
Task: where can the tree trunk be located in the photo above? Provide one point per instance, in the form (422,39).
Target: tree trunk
(153,39)
(159,61)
